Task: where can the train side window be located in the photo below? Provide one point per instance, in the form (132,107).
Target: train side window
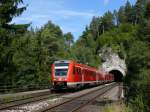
(79,71)
(85,72)
(74,70)
(88,72)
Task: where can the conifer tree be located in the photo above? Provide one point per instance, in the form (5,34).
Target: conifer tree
(8,32)
(139,11)
(121,15)
(68,39)
(107,21)
(128,12)
(8,10)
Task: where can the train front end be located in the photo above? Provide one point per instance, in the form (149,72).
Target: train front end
(60,74)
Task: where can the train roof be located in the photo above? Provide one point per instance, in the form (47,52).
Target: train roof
(86,66)
(62,61)
(78,64)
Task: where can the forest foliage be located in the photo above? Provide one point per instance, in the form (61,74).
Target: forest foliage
(26,54)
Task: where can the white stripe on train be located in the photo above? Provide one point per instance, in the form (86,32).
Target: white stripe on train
(86,82)
(61,67)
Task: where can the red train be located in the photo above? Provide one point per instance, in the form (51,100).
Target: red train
(70,74)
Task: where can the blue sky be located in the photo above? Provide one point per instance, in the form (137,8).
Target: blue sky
(70,15)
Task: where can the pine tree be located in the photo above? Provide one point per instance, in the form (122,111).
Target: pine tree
(8,33)
(68,39)
(8,10)
(128,12)
(139,11)
(121,15)
(95,27)
(107,21)
(116,18)
(144,30)
(147,10)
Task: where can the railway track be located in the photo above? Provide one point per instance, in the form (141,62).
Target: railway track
(14,104)
(63,103)
(76,103)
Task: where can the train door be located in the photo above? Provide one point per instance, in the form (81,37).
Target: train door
(82,77)
(97,77)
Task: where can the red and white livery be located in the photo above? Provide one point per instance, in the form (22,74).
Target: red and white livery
(70,74)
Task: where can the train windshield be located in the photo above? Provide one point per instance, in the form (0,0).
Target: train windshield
(61,64)
(61,72)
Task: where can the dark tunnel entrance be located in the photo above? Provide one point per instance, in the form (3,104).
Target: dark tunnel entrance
(117,75)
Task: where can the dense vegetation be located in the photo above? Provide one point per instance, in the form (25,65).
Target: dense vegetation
(26,55)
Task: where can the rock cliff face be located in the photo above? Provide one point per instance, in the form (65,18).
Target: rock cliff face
(112,62)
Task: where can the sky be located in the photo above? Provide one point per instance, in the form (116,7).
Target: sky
(71,15)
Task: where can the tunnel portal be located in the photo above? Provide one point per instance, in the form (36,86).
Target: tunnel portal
(118,76)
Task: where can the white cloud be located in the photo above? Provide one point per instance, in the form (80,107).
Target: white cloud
(29,18)
(106,2)
(60,14)
(70,13)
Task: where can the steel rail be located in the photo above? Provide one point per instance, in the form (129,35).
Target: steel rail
(25,97)
(13,104)
(92,100)
(51,108)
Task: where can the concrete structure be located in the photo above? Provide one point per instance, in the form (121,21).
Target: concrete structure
(113,64)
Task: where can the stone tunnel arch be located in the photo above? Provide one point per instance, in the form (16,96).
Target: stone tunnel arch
(118,75)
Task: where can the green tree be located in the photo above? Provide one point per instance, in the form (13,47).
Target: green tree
(139,11)
(147,10)
(116,18)
(139,79)
(129,12)
(121,15)
(107,21)
(24,59)
(35,52)
(144,28)
(95,27)
(69,39)
(8,33)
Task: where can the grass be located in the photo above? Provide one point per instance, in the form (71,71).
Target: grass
(117,107)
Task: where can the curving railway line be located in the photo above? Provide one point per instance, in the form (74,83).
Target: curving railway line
(39,97)
(76,103)
(61,102)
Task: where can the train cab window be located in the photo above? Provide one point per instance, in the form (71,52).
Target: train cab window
(61,64)
(61,72)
